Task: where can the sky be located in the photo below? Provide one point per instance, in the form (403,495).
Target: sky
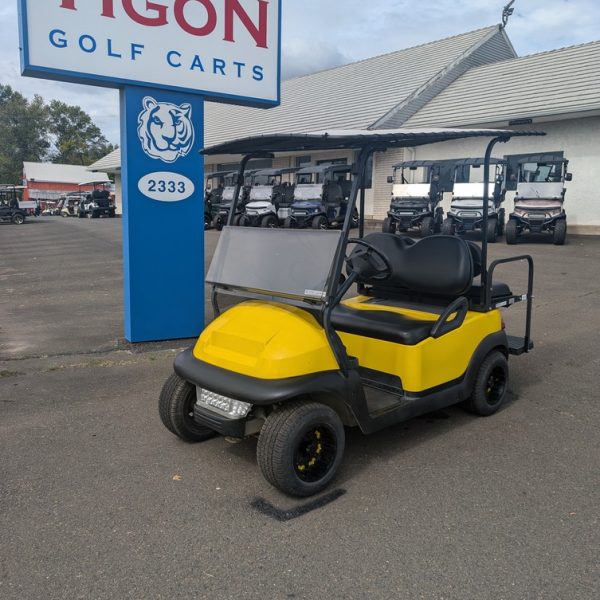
(320,34)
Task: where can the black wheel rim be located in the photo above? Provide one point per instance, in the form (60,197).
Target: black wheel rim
(495,386)
(315,454)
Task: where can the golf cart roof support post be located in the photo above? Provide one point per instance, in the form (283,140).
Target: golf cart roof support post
(486,199)
(335,342)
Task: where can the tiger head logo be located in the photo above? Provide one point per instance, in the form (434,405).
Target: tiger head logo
(165,130)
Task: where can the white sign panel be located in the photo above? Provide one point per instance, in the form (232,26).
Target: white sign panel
(224,49)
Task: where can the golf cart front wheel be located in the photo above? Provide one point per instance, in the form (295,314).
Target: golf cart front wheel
(491,385)
(560,232)
(269,221)
(176,409)
(427,227)
(300,447)
(18,219)
(448,227)
(389,225)
(492,230)
(289,223)
(319,222)
(511,232)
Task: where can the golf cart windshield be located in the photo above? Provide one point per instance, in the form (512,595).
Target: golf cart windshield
(534,172)
(261,192)
(293,264)
(308,192)
(228,193)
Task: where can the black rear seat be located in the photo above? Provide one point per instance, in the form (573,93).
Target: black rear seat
(436,269)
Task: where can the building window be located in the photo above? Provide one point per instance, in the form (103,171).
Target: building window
(301,161)
(333,161)
(258,163)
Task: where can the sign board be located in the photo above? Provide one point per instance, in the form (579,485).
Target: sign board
(226,49)
(166,57)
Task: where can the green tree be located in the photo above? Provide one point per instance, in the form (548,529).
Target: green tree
(77,140)
(24,133)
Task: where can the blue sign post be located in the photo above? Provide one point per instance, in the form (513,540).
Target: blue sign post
(163,224)
(166,57)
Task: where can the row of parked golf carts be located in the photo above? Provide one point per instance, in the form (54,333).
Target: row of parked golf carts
(318,198)
(538,202)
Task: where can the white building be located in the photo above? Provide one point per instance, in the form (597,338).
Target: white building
(474,79)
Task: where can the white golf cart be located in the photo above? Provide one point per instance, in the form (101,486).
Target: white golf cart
(466,208)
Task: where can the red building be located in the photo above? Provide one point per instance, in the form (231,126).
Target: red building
(47,182)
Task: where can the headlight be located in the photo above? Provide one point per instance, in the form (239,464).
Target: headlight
(234,409)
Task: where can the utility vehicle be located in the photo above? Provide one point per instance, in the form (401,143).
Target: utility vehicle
(10,212)
(466,207)
(68,205)
(270,199)
(295,362)
(96,203)
(321,197)
(416,194)
(233,187)
(215,184)
(540,198)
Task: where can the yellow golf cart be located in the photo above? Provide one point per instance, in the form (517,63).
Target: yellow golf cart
(296,360)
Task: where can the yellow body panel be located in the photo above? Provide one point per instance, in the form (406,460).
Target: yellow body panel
(430,363)
(266,340)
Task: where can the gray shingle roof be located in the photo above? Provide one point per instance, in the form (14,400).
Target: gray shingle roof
(57,173)
(552,83)
(354,96)
(111,162)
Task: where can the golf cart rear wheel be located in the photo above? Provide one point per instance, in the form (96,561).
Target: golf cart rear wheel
(389,225)
(426,228)
(512,232)
(289,223)
(18,219)
(269,221)
(176,409)
(491,385)
(319,222)
(560,232)
(492,230)
(300,447)
(218,223)
(448,227)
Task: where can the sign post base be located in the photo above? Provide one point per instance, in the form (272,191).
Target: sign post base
(163,221)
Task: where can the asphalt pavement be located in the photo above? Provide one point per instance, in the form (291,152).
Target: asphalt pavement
(99,501)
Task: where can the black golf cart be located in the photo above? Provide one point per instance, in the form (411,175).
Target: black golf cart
(96,203)
(213,194)
(270,199)
(230,189)
(9,205)
(321,197)
(466,208)
(539,202)
(297,361)
(415,197)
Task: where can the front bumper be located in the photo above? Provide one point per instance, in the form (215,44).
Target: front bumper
(222,425)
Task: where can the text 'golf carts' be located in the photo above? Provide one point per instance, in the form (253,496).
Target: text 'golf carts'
(540,198)
(321,197)
(296,361)
(466,208)
(415,197)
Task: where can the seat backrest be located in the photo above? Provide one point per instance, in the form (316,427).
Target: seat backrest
(438,265)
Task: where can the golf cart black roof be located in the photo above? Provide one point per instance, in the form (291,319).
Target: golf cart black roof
(320,169)
(270,172)
(353,138)
(478,162)
(543,158)
(413,164)
(220,174)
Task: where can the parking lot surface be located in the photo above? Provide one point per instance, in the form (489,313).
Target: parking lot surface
(98,500)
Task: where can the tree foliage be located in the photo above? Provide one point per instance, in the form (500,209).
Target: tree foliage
(31,130)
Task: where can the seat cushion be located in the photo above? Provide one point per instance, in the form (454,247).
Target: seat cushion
(381,325)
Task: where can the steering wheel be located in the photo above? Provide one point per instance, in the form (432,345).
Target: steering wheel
(371,257)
